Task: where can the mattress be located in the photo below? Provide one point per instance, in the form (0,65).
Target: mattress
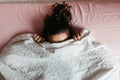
(102,18)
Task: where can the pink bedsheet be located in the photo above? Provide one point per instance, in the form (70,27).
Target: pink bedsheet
(101,17)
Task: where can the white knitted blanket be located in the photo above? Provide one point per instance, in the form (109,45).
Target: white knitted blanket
(86,59)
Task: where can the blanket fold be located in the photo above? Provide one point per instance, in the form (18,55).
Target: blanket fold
(86,59)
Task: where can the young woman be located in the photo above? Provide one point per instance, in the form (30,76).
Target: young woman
(57,26)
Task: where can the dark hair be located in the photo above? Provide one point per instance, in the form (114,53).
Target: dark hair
(59,21)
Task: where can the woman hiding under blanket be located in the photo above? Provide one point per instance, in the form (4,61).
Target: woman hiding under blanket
(57,26)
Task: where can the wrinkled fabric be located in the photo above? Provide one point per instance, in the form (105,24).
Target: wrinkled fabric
(101,17)
(86,59)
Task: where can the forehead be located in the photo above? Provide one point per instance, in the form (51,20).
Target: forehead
(58,37)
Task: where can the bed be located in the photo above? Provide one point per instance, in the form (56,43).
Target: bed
(101,18)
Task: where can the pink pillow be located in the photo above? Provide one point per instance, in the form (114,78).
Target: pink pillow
(101,17)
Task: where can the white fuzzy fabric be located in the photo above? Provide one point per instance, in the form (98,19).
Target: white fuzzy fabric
(86,59)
